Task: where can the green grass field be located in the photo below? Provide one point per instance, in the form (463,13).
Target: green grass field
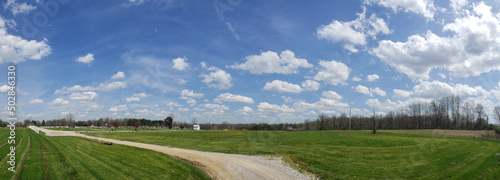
(347,155)
(43,157)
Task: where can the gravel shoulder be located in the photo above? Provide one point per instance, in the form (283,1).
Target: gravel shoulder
(216,165)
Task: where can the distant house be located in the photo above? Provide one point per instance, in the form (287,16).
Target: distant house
(196,127)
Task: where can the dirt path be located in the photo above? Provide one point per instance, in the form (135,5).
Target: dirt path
(216,165)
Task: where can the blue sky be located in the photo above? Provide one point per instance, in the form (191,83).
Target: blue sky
(246,61)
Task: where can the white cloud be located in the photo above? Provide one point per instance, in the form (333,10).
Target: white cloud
(372,77)
(397,93)
(266,107)
(118,75)
(379,91)
(59,101)
(183,109)
(353,32)
(85,96)
(133,99)
(86,59)
(4,88)
(363,90)
(437,89)
(118,108)
(142,95)
(331,95)
(181,81)
(102,87)
(369,91)
(15,49)
(333,72)
(188,93)
(180,64)
(310,85)
(245,110)
(227,97)
(356,79)
(423,7)
(282,87)
(17,8)
(215,106)
(36,101)
(457,5)
(472,49)
(269,62)
(217,78)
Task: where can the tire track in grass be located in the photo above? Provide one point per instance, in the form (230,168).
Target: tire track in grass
(115,157)
(22,162)
(80,162)
(70,172)
(33,166)
(4,159)
(77,150)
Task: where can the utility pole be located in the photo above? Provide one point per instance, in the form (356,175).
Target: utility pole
(374,123)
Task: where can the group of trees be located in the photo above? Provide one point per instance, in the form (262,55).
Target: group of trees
(445,113)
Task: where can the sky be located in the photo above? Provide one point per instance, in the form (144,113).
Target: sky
(246,61)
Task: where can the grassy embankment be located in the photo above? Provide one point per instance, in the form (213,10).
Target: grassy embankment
(347,154)
(43,157)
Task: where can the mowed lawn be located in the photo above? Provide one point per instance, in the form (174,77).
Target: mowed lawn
(347,154)
(43,157)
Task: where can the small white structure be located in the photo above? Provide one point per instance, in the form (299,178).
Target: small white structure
(196,127)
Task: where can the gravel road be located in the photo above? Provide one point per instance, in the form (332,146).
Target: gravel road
(215,165)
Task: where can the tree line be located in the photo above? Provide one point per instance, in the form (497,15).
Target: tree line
(444,113)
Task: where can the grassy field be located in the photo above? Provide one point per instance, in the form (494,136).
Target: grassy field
(42,157)
(347,155)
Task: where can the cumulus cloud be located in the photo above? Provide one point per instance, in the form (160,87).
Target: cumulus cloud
(269,62)
(180,64)
(332,72)
(363,90)
(472,49)
(282,87)
(133,99)
(87,59)
(36,101)
(356,79)
(228,97)
(353,32)
(15,49)
(369,91)
(310,85)
(118,75)
(4,88)
(398,93)
(457,5)
(102,87)
(217,78)
(118,108)
(18,8)
(85,96)
(331,95)
(244,111)
(372,77)
(188,93)
(437,89)
(266,107)
(59,101)
(142,95)
(423,7)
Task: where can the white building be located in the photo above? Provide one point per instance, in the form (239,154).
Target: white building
(196,127)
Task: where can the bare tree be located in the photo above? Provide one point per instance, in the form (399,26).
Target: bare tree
(496,113)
